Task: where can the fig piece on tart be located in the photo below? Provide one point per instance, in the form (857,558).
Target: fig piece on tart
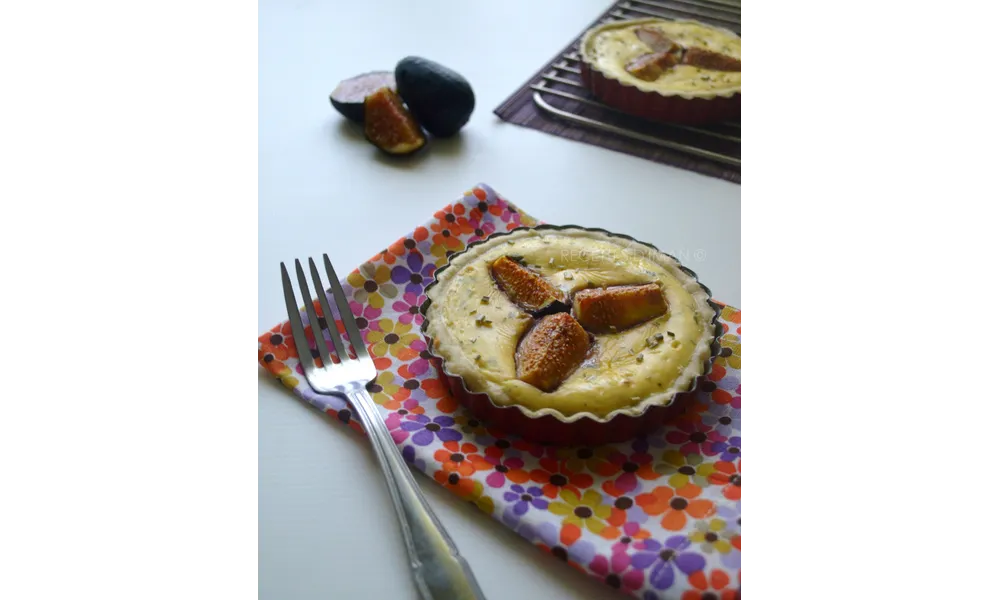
(525,287)
(610,309)
(551,350)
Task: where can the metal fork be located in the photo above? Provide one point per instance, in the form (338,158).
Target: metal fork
(438,569)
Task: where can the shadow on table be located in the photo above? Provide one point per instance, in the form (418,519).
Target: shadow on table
(345,131)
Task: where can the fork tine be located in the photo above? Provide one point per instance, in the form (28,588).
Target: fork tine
(338,294)
(324,350)
(298,333)
(331,320)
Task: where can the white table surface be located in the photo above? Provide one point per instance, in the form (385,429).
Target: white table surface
(326,526)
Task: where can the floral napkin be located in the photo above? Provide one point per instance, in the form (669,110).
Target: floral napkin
(657,517)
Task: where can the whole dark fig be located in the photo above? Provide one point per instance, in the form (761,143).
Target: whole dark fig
(440,99)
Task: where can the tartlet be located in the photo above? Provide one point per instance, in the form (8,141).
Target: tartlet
(593,337)
(673,90)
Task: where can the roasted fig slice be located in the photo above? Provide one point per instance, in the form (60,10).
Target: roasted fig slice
(390,126)
(655,39)
(550,351)
(526,288)
(604,310)
(714,61)
(349,95)
(649,67)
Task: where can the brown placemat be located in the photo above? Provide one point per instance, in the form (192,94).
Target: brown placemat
(553,101)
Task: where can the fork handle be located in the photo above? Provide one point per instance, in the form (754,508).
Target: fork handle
(438,569)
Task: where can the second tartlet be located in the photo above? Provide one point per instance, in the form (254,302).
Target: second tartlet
(672,71)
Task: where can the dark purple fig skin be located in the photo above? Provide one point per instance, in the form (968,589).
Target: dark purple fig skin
(349,96)
(440,99)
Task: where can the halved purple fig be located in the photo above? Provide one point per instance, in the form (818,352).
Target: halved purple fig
(349,96)
(390,126)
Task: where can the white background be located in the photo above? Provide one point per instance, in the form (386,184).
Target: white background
(327,529)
